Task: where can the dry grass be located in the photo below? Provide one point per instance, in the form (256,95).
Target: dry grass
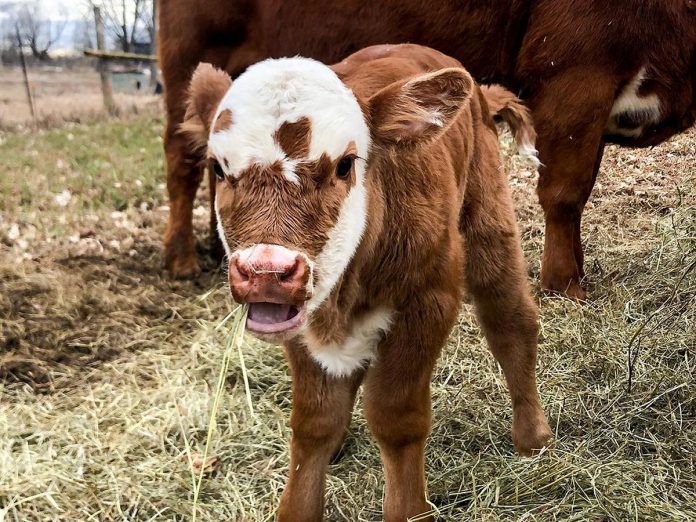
(109,369)
(62,96)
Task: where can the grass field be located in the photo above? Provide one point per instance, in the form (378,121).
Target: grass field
(107,368)
(64,96)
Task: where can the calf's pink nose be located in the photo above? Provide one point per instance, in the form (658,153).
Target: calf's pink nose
(269,274)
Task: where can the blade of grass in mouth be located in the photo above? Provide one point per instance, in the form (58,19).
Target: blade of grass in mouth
(234,338)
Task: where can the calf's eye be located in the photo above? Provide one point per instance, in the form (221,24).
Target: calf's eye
(217,169)
(344,167)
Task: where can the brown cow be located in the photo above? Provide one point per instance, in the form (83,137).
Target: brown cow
(591,71)
(355,203)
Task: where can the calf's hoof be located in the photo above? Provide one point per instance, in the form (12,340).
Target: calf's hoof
(530,432)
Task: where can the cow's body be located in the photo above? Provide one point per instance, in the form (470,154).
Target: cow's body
(359,267)
(591,72)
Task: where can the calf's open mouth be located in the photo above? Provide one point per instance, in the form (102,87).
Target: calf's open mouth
(271,318)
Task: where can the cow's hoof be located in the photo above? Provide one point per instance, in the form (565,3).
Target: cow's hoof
(571,290)
(530,432)
(575,291)
(184,268)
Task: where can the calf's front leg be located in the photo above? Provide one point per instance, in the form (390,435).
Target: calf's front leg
(321,411)
(397,400)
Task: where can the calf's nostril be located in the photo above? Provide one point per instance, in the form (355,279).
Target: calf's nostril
(289,272)
(242,272)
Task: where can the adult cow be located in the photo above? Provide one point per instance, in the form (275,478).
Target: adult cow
(591,71)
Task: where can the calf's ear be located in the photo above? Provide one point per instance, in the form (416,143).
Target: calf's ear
(206,90)
(420,108)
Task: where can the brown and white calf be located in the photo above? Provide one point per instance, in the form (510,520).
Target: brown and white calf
(355,204)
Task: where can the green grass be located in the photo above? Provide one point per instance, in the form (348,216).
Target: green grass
(106,165)
(108,368)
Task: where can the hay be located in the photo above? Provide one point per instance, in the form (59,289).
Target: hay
(110,369)
(234,340)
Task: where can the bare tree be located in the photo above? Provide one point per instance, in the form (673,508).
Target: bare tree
(8,39)
(83,37)
(35,31)
(123,19)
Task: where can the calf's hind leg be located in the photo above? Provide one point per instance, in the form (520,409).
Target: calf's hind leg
(497,283)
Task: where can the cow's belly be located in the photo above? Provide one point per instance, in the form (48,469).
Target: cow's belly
(633,113)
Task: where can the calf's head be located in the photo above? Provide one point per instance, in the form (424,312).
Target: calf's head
(290,146)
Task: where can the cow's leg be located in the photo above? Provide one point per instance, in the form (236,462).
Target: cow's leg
(570,119)
(183,178)
(577,245)
(234,61)
(496,280)
(179,58)
(321,411)
(397,400)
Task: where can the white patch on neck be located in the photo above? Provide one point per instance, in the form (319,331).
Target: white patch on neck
(343,241)
(629,102)
(357,350)
(276,91)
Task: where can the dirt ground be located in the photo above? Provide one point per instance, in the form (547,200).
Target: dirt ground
(107,367)
(63,95)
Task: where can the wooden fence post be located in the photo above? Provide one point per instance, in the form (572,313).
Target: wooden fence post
(30,96)
(154,66)
(107,90)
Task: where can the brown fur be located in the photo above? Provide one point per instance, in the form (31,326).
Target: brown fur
(509,108)
(568,59)
(256,207)
(208,86)
(224,121)
(440,217)
(294,137)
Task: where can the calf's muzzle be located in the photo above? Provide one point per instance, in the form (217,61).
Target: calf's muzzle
(275,282)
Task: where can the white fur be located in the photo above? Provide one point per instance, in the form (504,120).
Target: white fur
(358,349)
(343,240)
(221,230)
(629,101)
(526,149)
(435,118)
(275,91)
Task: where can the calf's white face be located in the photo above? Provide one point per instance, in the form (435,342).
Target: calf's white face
(289,143)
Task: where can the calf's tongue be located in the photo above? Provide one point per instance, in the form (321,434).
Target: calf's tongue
(270,313)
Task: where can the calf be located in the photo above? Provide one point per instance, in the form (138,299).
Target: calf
(355,203)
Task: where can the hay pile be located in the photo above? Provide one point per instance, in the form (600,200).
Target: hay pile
(109,369)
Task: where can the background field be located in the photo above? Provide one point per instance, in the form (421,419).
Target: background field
(66,95)
(107,367)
